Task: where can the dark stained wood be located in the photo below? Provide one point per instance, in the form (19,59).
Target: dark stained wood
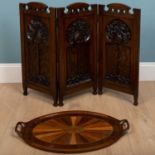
(67,50)
(38,46)
(77,49)
(119,49)
(78,6)
(36,5)
(72,131)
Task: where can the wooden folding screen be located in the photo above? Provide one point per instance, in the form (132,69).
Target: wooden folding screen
(119,48)
(66,50)
(38,48)
(77,48)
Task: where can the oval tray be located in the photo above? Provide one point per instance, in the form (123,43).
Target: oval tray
(72,131)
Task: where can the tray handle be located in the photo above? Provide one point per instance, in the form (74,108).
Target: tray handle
(19,128)
(125,125)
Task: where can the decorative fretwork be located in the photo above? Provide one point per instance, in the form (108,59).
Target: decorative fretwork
(118,32)
(78,32)
(76,80)
(37,37)
(118,78)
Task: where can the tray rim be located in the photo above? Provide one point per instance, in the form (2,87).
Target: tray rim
(24,130)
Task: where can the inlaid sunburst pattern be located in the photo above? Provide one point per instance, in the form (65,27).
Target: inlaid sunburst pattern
(73,130)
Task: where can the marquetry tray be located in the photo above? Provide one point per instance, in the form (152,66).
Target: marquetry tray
(72,131)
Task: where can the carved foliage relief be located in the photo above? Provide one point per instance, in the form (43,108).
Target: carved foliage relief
(118,36)
(78,32)
(118,32)
(37,38)
(78,35)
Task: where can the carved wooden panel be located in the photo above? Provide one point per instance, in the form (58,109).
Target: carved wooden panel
(118,35)
(78,35)
(66,50)
(38,48)
(78,61)
(38,54)
(119,48)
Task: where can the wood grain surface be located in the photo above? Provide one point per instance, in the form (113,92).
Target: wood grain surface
(72,131)
(140,139)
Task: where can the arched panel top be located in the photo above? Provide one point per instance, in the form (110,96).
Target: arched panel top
(119,9)
(34,6)
(117,6)
(78,5)
(78,8)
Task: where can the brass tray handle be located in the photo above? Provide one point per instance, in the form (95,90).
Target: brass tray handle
(19,128)
(125,125)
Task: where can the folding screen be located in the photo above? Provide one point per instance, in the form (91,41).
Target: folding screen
(82,46)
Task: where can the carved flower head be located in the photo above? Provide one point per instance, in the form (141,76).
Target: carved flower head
(78,32)
(118,32)
(37,32)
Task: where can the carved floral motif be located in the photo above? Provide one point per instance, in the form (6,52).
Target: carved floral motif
(78,32)
(37,32)
(118,78)
(37,36)
(118,32)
